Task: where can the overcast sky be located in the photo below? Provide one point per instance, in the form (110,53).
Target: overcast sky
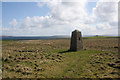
(59,18)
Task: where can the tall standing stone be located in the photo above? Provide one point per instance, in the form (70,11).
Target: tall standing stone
(76,41)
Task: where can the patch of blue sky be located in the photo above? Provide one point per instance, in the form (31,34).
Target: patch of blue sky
(20,10)
(90,6)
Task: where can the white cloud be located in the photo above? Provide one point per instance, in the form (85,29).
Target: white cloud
(64,17)
(103,26)
(106,11)
(40,4)
(13,23)
(105,15)
(67,10)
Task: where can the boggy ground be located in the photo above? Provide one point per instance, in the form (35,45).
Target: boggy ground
(51,59)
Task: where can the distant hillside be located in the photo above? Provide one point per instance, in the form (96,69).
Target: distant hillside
(31,37)
(48,37)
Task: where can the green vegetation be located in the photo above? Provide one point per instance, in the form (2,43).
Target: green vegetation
(51,59)
(97,37)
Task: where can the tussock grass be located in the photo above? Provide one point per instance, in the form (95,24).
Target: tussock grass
(51,59)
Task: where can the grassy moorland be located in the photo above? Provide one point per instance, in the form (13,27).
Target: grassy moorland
(51,59)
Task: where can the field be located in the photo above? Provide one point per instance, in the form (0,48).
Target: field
(51,59)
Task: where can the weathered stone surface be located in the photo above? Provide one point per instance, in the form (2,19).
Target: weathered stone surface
(76,41)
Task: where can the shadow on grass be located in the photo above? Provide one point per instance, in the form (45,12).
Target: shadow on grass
(66,51)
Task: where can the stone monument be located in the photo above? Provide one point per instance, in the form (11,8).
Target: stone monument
(76,41)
